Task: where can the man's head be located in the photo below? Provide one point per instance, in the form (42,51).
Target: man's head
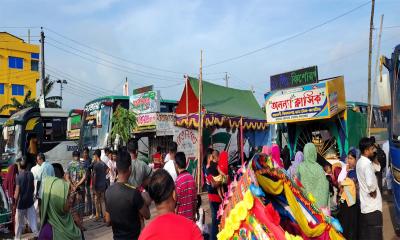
(107,151)
(132,147)
(367,147)
(124,164)
(180,161)
(162,190)
(97,154)
(158,149)
(22,163)
(173,147)
(75,155)
(114,155)
(40,159)
(85,153)
(215,155)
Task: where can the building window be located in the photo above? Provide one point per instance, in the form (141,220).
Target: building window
(17,90)
(1,88)
(35,56)
(15,62)
(34,65)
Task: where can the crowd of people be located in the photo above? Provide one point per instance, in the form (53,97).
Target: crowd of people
(349,190)
(117,188)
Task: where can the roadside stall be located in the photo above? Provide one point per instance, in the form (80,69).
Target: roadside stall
(230,118)
(154,128)
(314,112)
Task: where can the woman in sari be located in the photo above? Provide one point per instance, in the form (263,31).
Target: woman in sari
(298,158)
(9,188)
(312,176)
(56,219)
(348,204)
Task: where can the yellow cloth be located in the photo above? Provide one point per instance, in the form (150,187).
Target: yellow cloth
(349,193)
(275,188)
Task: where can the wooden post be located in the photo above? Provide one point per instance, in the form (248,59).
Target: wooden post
(376,71)
(187,99)
(241,141)
(200,128)
(371,29)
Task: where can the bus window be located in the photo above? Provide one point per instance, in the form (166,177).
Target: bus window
(59,129)
(54,129)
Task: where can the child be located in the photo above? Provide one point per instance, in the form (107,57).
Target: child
(201,218)
(217,174)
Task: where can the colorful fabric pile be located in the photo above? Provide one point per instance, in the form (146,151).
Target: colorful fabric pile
(267,204)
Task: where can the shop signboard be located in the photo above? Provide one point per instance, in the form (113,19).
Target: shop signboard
(147,102)
(73,134)
(187,141)
(165,124)
(143,89)
(146,121)
(308,102)
(294,78)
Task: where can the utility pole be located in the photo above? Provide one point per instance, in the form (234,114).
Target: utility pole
(61,82)
(371,29)
(29,35)
(200,128)
(376,68)
(226,79)
(43,73)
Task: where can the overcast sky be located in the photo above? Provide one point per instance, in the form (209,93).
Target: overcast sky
(156,42)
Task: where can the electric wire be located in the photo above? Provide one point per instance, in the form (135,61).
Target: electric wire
(290,37)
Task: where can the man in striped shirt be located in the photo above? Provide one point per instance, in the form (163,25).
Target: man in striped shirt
(186,194)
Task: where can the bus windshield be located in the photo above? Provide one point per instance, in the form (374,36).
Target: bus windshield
(12,137)
(96,127)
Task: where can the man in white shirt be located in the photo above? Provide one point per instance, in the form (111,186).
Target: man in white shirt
(170,161)
(105,157)
(371,221)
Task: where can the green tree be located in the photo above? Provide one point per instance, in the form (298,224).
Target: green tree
(51,101)
(16,105)
(123,122)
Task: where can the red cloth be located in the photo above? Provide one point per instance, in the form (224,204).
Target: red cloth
(9,182)
(157,160)
(186,195)
(212,192)
(171,226)
(223,162)
(9,187)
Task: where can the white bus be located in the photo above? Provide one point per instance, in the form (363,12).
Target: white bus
(37,130)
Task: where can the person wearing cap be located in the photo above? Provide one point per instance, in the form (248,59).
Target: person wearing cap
(76,176)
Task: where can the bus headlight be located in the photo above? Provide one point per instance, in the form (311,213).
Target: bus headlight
(396,174)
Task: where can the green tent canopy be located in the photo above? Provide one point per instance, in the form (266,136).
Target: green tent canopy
(220,100)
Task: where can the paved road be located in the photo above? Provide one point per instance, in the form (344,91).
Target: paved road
(100,231)
(96,230)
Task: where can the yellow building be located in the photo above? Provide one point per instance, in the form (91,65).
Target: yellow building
(19,69)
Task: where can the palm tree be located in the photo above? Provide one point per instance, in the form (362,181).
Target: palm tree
(51,101)
(28,101)
(16,105)
(123,123)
